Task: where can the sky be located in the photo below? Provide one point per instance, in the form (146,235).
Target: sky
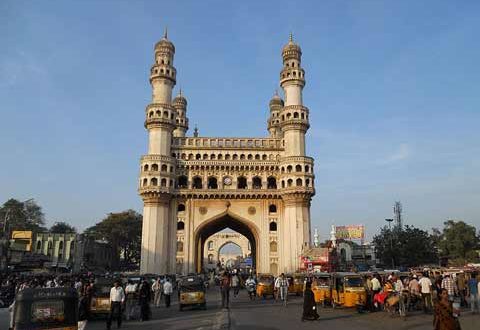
(392,88)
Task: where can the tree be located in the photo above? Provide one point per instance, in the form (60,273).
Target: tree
(458,242)
(16,215)
(123,231)
(408,247)
(62,227)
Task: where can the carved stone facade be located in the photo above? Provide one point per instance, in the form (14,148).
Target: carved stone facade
(194,187)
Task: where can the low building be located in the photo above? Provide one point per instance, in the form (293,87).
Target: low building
(92,254)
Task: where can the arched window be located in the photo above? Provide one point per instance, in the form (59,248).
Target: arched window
(198,156)
(299,182)
(197,183)
(271,182)
(307,182)
(154,182)
(180,225)
(242,157)
(298,168)
(210,245)
(212,157)
(164,168)
(257,182)
(145,167)
(154,167)
(235,157)
(307,168)
(289,168)
(191,156)
(295,115)
(39,246)
(264,157)
(227,157)
(181,208)
(179,246)
(60,245)
(182,182)
(249,157)
(242,182)
(72,249)
(257,157)
(205,156)
(272,208)
(212,183)
(145,182)
(210,258)
(289,182)
(272,226)
(273,246)
(283,183)
(49,248)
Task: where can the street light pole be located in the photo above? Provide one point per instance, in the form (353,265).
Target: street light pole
(391,240)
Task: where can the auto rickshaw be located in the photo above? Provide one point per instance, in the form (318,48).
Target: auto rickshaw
(321,288)
(100,302)
(265,285)
(191,292)
(348,290)
(49,308)
(296,283)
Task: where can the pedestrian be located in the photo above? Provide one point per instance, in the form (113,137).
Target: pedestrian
(82,312)
(426,291)
(225,289)
(251,287)
(117,298)
(444,317)
(309,305)
(449,285)
(235,284)
(167,291)
(157,289)
(282,284)
(11,310)
(144,297)
(473,293)
(131,291)
(462,288)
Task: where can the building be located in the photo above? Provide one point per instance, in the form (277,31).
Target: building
(194,187)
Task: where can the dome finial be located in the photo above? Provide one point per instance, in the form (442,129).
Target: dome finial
(276,92)
(180,91)
(290,39)
(165,33)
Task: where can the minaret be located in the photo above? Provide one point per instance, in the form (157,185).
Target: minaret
(158,167)
(276,105)
(296,168)
(316,242)
(180,105)
(333,236)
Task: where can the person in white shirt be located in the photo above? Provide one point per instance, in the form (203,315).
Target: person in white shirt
(281,284)
(117,298)
(167,291)
(426,291)
(131,300)
(157,289)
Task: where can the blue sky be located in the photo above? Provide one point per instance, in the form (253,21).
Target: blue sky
(392,88)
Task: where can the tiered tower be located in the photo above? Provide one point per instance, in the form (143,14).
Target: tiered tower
(158,166)
(276,105)
(296,167)
(180,104)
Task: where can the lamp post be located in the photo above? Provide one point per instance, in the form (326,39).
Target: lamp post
(391,240)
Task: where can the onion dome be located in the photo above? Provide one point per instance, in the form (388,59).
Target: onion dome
(165,43)
(180,99)
(291,49)
(276,100)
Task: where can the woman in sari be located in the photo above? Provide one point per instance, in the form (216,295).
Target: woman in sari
(309,305)
(443,318)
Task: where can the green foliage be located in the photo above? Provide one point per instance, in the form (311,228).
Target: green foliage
(123,231)
(458,242)
(408,247)
(62,227)
(26,215)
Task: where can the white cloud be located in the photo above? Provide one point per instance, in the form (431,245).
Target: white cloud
(402,153)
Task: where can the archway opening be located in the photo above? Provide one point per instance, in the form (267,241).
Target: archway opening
(206,250)
(230,256)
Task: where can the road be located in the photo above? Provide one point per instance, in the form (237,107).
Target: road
(270,315)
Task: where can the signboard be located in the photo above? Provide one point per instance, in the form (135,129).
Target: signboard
(248,261)
(350,232)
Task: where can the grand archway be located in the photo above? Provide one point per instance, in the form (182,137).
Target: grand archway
(218,224)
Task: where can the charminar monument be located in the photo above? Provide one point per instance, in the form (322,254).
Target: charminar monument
(195,186)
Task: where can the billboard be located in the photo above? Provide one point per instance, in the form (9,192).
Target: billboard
(350,232)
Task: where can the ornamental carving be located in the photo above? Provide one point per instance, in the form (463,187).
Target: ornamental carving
(252,210)
(203,210)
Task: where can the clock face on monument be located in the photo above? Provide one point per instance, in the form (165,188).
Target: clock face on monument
(227,181)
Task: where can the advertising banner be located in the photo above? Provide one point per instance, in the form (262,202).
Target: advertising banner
(350,232)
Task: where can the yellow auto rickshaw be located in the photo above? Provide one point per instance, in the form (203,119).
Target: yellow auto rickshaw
(191,292)
(100,302)
(348,290)
(321,285)
(265,285)
(48,308)
(296,283)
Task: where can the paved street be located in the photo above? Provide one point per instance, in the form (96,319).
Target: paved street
(269,315)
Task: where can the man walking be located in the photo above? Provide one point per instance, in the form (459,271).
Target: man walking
(144,297)
(225,289)
(473,294)
(449,285)
(282,284)
(157,289)
(426,291)
(235,284)
(131,293)
(167,291)
(117,297)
